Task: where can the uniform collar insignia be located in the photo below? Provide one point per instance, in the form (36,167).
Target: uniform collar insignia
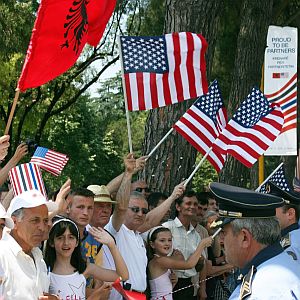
(285,241)
(246,284)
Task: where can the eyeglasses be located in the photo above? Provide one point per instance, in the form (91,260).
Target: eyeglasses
(137,209)
(146,189)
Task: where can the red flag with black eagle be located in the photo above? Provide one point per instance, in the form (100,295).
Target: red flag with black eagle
(61,30)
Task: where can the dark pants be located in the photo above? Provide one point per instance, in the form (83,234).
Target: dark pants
(186,294)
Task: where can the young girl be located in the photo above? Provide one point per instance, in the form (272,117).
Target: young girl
(68,270)
(159,246)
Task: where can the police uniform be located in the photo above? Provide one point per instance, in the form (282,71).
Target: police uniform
(272,273)
(290,240)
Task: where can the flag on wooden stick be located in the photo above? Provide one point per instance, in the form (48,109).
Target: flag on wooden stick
(202,123)
(49,160)
(27,177)
(61,30)
(163,70)
(252,129)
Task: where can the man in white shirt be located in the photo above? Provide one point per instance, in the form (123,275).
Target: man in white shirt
(23,272)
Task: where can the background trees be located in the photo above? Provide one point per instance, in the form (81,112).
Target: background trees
(90,127)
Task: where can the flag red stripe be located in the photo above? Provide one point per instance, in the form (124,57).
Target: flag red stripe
(245,134)
(242,159)
(290,118)
(128,91)
(202,122)
(289,111)
(153,87)
(166,86)
(177,74)
(140,87)
(39,179)
(289,127)
(203,63)
(189,65)
(27,177)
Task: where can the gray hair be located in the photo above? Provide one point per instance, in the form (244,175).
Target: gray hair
(137,195)
(209,214)
(265,231)
(18,214)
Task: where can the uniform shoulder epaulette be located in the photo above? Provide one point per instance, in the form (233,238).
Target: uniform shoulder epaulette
(285,241)
(246,284)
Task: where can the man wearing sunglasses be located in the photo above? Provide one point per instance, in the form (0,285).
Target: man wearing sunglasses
(136,219)
(141,187)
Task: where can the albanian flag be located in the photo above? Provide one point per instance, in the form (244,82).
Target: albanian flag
(61,30)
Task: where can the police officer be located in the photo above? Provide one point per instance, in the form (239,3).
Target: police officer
(288,216)
(251,235)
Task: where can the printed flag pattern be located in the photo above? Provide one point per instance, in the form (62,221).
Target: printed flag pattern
(49,160)
(26,177)
(286,97)
(279,179)
(61,30)
(163,70)
(252,129)
(203,122)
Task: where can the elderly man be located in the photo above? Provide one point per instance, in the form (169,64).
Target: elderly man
(131,217)
(251,235)
(23,272)
(288,216)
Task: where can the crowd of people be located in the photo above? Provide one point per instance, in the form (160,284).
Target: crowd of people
(161,246)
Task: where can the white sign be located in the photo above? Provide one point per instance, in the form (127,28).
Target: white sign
(280,84)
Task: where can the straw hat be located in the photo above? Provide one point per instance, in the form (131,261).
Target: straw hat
(101,193)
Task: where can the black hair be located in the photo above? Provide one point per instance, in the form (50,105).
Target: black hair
(58,229)
(203,197)
(152,236)
(187,194)
(154,198)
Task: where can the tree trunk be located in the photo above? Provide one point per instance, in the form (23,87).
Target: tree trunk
(251,42)
(175,158)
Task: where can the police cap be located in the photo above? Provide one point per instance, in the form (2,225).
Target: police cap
(289,197)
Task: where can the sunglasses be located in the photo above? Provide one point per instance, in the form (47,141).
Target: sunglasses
(140,190)
(137,209)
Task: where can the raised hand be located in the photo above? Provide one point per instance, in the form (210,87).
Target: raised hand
(102,236)
(178,191)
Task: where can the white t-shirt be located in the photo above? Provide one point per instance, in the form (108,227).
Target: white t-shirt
(133,251)
(68,287)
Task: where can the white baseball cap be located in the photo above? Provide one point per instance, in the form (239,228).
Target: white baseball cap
(4,215)
(29,199)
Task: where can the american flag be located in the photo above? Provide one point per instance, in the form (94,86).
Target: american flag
(278,178)
(202,123)
(252,129)
(49,160)
(163,70)
(286,97)
(26,177)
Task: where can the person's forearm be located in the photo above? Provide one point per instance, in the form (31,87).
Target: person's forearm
(121,267)
(154,217)
(115,183)
(6,168)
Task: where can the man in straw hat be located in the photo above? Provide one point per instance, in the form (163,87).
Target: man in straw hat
(23,273)
(251,235)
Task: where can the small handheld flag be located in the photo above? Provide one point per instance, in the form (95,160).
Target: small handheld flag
(49,160)
(202,123)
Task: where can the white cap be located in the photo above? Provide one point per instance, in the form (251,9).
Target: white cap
(29,199)
(4,215)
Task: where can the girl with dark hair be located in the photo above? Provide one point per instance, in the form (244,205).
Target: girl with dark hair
(160,264)
(67,269)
